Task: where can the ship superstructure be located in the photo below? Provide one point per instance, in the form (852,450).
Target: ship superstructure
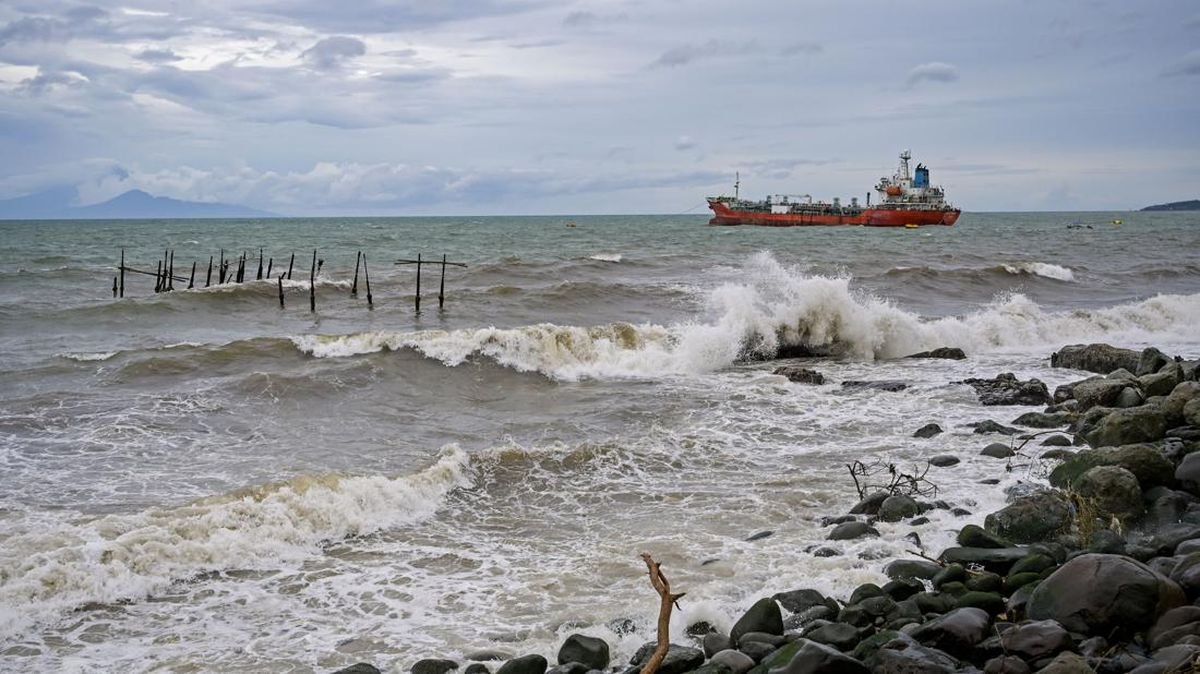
(906,198)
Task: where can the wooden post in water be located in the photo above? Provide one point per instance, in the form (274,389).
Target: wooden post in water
(158,277)
(367,278)
(260,261)
(354,288)
(122,272)
(221,269)
(281,291)
(208,279)
(442,287)
(312,284)
(418,296)
(290,262)
(114,287)
(192,280)
(270,262)
(171,272)
(241,272)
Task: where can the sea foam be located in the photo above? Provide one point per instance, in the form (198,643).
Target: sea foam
(770,307)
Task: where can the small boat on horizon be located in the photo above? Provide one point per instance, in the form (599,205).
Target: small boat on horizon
(907,198)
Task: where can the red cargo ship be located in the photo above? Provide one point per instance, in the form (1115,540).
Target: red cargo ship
(905,200)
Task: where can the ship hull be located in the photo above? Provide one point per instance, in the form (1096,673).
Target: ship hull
(870,217)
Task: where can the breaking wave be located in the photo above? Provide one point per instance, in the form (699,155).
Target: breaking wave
(990,274)
(54,566)
(606,257)
(774,307)
(1043,269)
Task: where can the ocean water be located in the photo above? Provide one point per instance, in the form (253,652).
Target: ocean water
(202,481)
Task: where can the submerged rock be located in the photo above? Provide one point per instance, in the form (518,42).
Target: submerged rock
(1031,519)
(801,375)
(892,386)
(927,431)
(946,352)
(588,651)
(1006,389)
(989,426)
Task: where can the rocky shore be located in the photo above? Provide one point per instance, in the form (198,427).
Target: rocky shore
(1096,571)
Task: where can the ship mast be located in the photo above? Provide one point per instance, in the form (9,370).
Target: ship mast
(737,183)
(903,171)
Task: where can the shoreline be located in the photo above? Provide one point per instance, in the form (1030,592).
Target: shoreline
(1096,570)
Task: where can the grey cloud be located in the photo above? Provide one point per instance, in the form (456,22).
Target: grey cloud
(587,20)
(1189,65)
(805,48)
(935,71)
(157,56)
(385,16)
(685,143)
(46,81)
(333,51)
(685,54)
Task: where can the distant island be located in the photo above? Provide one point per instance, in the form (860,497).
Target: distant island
(1193,205)
(59,204)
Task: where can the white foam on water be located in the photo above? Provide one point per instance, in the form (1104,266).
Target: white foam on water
(606,257)
(54,564)
(88,357)
(772,306)
(1044,269)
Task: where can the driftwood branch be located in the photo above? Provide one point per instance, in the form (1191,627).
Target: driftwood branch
(667,601)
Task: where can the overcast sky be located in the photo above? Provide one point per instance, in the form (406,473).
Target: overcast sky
(413,107)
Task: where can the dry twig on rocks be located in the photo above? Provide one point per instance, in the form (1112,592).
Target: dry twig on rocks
(668,600)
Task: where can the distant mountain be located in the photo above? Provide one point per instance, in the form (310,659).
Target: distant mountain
(59,204)
(1193,205)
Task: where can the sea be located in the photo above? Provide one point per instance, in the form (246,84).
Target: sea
(205,481)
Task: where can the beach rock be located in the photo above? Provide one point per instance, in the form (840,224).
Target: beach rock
(433,666)
(359,668)
(890,386)
(1191,412)
(1036,639)
(1103,594)
(1043,420)
(763,616)
(1187,574)
(1031,519)
(1176,658)
(1036,562)
(800,375)
(911,568)
(897,507)
(998,560)
(1175,618)
(974,536)
(945,460)
(1151,360)
(585,650)
(1144,423)
(476,668)
(997,450)
(869,505)
(927,431)
(1160,383)
(569,668)
(736,661)
(679,659)
(1067,663)
(1129,397)
(1058,454)
(715,642)
(956,632)
(1113,490)
(841,636)
(851,530)
(902,589)
(907,656)
(991,602)
(1172,406)
(1006,664)
(989,426)
(1188,473)
(1006,389)
(1092,392)
(1145,461)
(1056,441)
(773,640)
(814,658)
(795,601)
(622,626)
(756,650)
(946,352)
(526,664)
(1098,358)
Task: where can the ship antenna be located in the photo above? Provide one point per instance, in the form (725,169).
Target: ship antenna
(737,183)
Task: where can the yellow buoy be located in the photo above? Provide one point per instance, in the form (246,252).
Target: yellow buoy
(1116,222)
(911,225)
